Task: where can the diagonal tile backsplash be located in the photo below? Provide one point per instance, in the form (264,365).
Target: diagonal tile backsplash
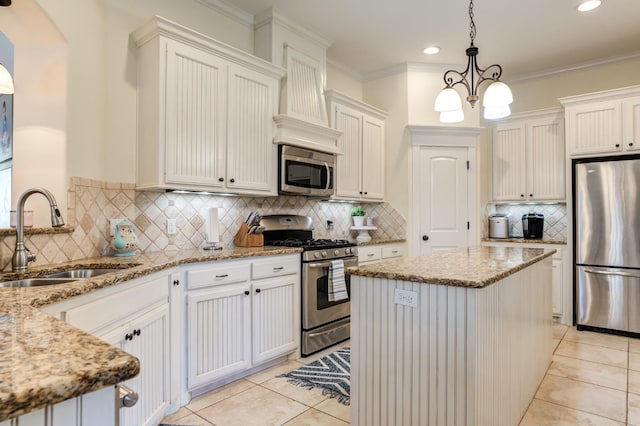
(93,203)
(555,218)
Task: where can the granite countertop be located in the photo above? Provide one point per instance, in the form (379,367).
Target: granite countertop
(473,267)
(44,361)
(375,241)
(521,240)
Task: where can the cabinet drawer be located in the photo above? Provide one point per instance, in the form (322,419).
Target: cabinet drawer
(274,267)
(393,251)
(369,254)
(111,309)
(213,275)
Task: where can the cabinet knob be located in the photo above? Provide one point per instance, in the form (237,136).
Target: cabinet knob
(257,290)
(176,282)
(247,292)
(630,143)
(522,195)
(221,179)
(136,332)
(365,192)
(360,192)
(425,238)
(128,336)
(232,180)
(617,145)
(530,195)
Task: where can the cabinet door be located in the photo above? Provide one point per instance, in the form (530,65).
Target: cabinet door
(595,128)
(348,170)
(631,122)
(251,153)
(275,317)
(218,333)
(545,160)
(372,158)
(195,117)
(509,154)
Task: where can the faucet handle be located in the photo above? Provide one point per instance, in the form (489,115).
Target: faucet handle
(31,257)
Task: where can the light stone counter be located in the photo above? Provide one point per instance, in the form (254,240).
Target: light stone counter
(474,267)
(525,240)
(44,361)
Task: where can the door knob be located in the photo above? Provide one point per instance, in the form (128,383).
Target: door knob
(425,238)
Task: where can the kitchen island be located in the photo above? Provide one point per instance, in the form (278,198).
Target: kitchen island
(460,337)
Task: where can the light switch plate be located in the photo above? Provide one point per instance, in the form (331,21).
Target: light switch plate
(112,225)
(171,227)
(406,298)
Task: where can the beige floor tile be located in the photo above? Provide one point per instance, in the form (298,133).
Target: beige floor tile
(594,353)
(274,371)
(593,399)
(217,395)
(255,406)
(193,420)
(309,397)
(173,418)
(313,417)
(634,345)
(559,330)
(634,361)
(542,413)
(590,372)
(332,407)
(634,382)
(634,410)
(620,343)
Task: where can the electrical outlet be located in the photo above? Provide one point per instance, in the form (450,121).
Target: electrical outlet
(172,227)
(112,225)
(406,298)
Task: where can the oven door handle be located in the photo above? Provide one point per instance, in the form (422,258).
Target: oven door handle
(328,264)
(328,176)
(322,333)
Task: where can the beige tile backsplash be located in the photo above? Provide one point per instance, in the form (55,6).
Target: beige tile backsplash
(555,218)
(91,204)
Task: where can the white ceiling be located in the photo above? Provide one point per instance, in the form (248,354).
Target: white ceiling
(525,37)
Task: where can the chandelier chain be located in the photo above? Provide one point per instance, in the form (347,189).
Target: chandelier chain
(472,24)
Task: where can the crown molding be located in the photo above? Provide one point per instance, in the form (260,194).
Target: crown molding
(230,11)
(271,15)
(345,69)
(407,67)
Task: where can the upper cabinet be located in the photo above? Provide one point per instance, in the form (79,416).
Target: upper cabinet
(360,168)
(528,157)
(603,123)
(205,114)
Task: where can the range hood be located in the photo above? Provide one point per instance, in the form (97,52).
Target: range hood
(303,117)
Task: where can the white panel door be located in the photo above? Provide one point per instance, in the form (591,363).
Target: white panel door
(595,129)
(195,117)
(218,333)
(508,145)
(251,153)
(275,317)
(348,169)
(372,158)
(443,181)
(545,160)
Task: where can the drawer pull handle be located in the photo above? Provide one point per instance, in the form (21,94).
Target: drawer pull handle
(371,255)
(128,336)
(222,276)
(277,269)
(136,332)
(394,251)
(176,282)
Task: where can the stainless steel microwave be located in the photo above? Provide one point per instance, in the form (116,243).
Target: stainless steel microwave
(305,172)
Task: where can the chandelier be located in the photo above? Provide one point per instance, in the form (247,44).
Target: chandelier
(497,97)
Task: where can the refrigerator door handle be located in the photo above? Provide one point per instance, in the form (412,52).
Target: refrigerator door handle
(622,274)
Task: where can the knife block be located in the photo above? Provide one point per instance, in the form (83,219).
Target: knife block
(244,239)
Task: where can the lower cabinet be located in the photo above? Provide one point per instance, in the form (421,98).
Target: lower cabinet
(240,314)
(376,252)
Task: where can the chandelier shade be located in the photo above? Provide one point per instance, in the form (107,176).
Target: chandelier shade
(6,81)
(455,116)
(497,97)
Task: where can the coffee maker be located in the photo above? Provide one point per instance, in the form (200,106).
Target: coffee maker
(532,225)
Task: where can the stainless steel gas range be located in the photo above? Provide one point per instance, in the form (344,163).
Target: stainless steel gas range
(324,322)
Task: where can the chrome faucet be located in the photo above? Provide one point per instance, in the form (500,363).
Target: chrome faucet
(22,256)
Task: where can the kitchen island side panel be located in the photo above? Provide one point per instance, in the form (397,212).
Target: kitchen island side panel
(462,356)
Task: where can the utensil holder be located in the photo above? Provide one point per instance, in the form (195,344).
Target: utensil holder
(244,239)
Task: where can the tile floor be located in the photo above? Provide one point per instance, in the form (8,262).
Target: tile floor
(594,379)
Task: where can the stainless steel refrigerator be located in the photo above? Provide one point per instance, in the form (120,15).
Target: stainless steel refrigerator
(607,243)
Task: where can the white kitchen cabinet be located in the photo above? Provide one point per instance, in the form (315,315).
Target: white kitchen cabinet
(135,317)
(603,123)
(528,157)
(205,114)
(240,314)
(376,252)
(360,169)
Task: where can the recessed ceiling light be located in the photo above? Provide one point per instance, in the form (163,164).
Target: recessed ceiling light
(587,5)
(431,50)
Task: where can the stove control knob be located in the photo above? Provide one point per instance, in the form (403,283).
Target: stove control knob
(316,255)
(324,254)
(347,251)
(336,252)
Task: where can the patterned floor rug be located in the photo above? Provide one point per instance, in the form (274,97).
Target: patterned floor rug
(332,373)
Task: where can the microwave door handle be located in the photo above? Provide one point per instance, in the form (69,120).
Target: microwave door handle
(328,176)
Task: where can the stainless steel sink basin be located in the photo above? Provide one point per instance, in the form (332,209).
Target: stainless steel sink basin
(34,282)
(79,274)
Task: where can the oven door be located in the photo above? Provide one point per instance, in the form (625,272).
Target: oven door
(305,172)
(316,307)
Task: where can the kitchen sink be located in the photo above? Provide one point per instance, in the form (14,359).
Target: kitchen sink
(79,274)
(35,282)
